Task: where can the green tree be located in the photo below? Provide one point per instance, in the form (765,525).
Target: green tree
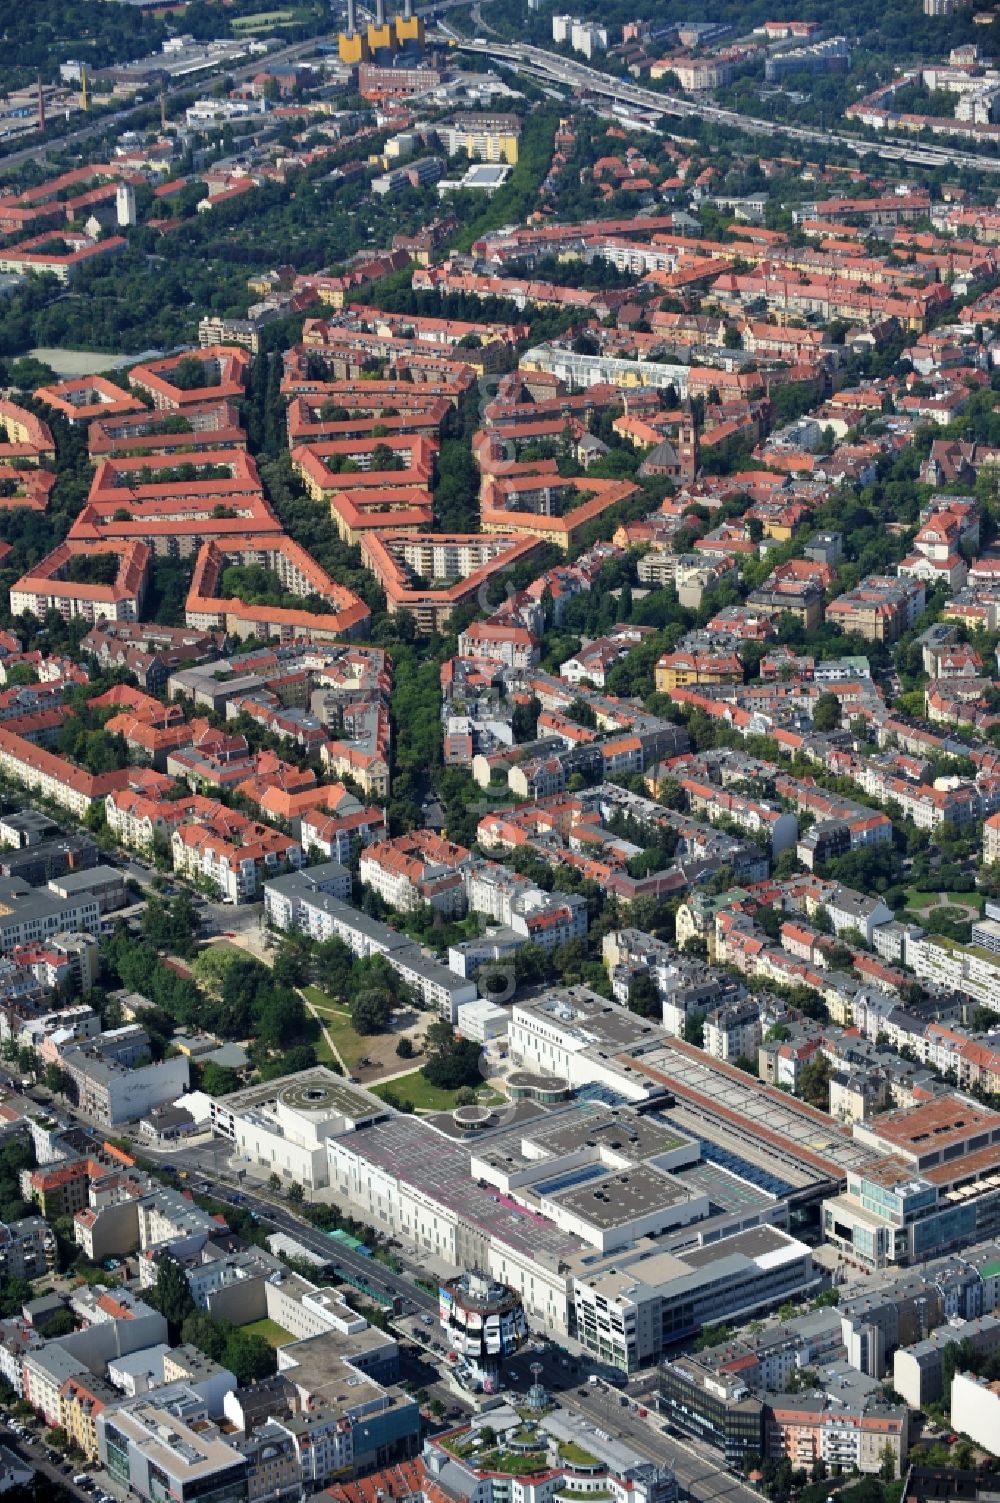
(451,1063)
(814,1081)
(643,997)
(218,1080)
(171,1294)
(249,1357)
(371,1011)
(56,1079)
(826,713)
(694,1029)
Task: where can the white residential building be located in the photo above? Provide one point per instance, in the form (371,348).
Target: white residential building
(733,1032)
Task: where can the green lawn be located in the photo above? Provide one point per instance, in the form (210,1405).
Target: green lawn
(918,900)
(576,1455)
(415,1089)
(351,1046)
(270,1330)
(263,19)
(423,1096)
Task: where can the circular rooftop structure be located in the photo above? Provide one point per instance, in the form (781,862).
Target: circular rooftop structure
(317,1098)
(473,1118)
(526,1085)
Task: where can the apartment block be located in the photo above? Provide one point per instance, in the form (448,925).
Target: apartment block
(880,608)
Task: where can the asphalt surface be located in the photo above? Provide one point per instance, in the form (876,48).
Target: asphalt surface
(699,1472)
(120,118)
(202,1163)
(35,1454)
(554,68)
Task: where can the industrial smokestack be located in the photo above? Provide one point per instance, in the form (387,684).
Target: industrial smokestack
(407,10)
(379,12)
(352,17)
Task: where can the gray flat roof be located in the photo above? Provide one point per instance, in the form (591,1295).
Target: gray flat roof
(85,881)
(411,1150)
(318,1092)
(621,1197)
(621,1132)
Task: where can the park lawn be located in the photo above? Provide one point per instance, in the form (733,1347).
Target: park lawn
(351,1045)
(324,1054)
(418,1091)
(263,19)
(425,1097)
(270,1330)
(918,900)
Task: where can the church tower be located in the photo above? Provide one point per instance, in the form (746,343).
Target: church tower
(687,446)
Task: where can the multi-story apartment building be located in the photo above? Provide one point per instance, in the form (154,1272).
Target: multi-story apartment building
(29,915)
(944,964)
(675,669)
(82,1398)
(339,835)
(429,574)
(991,840)
(484,137)
(322,916)
(111,1092)
(283,895)
(27,1248)
(56,778)
(207,609)
(880,608)
(231,854)
(140,818)
(812,1427)
(60,582)
(733,1032)
(225,367)
(416,869)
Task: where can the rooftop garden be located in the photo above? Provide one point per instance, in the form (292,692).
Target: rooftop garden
(488,1454)
(575,1455)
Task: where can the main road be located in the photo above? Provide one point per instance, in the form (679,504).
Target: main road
(201,1163)
(614,1412)
(699,1472)
(120,118)
(558,69)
